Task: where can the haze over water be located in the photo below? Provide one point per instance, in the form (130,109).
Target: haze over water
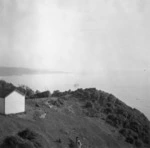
(132,87)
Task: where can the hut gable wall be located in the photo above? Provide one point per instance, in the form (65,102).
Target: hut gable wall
(14,103)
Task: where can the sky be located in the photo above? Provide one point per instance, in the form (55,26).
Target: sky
(75,35)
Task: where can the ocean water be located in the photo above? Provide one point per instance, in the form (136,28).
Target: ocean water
(132,87)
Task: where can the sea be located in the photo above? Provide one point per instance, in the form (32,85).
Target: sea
(132,87)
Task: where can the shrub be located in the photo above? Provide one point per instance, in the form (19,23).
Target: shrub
(138,143)
(109,104)
(37,105)
(57,102)
(107,110)
(118,102)
(121,111)
(37,144)
(44,94)
(97,106)
(58,140)
(146,129)
(123,131)
(130,140)
(27,134)
(145,139)
(91,112)
(134,126)
(113,120)
(102,97)
(26,90)
(56,93)
(125,124)
(88,105)
(12,141)
(24,139)
(71,144)
(111,98)
(16,142)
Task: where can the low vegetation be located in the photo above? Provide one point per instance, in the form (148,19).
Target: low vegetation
(37,95)
(71,144)
(58,102)
(23,139)
(131,123)
(27,134)
(15,142)
(27,91)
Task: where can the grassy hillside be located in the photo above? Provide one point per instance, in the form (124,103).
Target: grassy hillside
(99,119)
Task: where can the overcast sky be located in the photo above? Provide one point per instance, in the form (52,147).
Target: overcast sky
(75,35)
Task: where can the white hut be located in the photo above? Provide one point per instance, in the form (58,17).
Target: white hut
(12,102)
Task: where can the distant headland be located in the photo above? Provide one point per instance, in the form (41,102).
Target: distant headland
(12,71)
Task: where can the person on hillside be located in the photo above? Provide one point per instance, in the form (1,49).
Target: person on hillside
(78,143)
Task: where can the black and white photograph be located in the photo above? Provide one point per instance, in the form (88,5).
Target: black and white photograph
(74,74)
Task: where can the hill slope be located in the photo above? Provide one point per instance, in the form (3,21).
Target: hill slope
(98,118)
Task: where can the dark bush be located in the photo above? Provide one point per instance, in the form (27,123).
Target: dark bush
(37,105)
(118,102)
(6,86)
(131,136)
(27,134)
(111,98)
(56,93)
(12,141)
(71,144)
(86,94)
(113,120)
(134,126)
(103,98)
(44,94)
(107,110)
(123,131)
(16,142)
(97,106)
(121,111)
(91,112)
(146,139)
(58,140)
(126,124)
(138,143)
(130,140)
(26,90)
(146,129)
(37,144)
(109,104)
(88,105)
(59,102)
(25,145)
(24,139)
